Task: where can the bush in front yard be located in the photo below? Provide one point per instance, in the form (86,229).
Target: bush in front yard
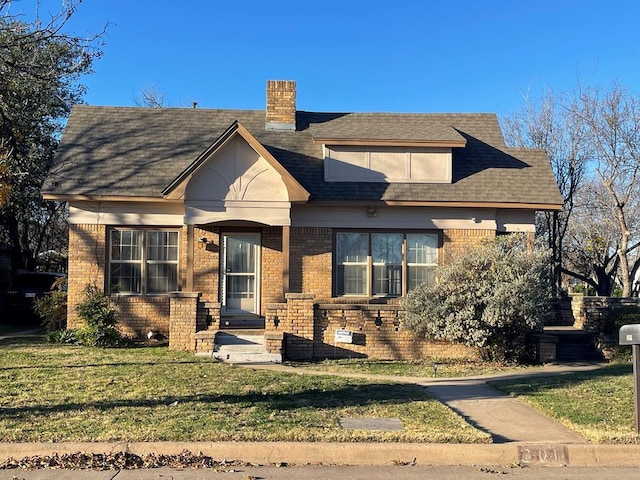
(100,319)
(489,298)
(52,308)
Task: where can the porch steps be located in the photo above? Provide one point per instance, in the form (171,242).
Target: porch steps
(241,346)
(574,345)
(242,322)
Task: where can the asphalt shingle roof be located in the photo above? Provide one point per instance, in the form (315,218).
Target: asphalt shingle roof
(129,151)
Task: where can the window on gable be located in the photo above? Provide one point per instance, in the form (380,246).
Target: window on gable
(384,263)
(143,261)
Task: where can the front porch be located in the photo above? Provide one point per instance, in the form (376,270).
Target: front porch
(299,329)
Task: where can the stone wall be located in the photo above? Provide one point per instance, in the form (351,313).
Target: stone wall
(542,348)
(590,313)
(562,313)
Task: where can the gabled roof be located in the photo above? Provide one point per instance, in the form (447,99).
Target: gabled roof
(388,129)
(129,152)
(176,189)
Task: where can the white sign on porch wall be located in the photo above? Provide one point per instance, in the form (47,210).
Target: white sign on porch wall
(343,336)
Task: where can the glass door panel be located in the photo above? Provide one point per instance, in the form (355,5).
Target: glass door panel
(240,273)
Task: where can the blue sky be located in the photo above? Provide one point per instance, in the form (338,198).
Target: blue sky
(395,56)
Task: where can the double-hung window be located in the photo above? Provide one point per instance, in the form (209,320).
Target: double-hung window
(143,261)
(384,263)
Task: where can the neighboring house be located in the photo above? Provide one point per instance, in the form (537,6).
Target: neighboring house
(311,222)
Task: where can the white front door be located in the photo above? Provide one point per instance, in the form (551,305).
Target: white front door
(241,273)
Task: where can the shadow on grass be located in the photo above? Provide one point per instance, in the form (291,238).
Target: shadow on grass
(39,340)
(535,384)
(344,396)
(105,364)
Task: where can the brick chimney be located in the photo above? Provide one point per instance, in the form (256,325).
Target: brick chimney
(281,105)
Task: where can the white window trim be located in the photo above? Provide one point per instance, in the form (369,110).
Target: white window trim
(370,264)
(143,262)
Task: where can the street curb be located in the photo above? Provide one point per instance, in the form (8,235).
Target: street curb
(357,454)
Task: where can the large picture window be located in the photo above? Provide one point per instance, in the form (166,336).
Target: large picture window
(384,263)
(143,261)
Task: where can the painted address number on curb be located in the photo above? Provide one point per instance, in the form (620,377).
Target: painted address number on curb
(543,455)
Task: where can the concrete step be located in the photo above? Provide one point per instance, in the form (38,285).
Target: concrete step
(573,345)
(242,346)
(243,339)
(577,352)
(237,348)
(242,322)
(239,357)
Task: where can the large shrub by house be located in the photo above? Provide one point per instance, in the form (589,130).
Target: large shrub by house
(489,298)
(100,318)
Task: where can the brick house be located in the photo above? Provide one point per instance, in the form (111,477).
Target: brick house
(298,223)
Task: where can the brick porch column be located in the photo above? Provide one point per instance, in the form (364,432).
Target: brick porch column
(299,326)
(183,320)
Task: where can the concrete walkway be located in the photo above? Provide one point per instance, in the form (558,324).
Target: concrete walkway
(504,417)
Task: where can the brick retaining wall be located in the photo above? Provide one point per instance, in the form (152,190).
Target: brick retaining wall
(309,332)
(591,312)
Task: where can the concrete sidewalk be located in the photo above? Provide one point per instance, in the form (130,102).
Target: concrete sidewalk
(318,453)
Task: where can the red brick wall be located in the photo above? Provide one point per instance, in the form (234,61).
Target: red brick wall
(206,268)
(281,101)
(377,333)
(271,264)
(137,315)
(86,265)
(311,260)
(456,242)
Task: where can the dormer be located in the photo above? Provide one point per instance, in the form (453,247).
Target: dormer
(388,148)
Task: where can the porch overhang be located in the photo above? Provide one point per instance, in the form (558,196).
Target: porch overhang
(266,213)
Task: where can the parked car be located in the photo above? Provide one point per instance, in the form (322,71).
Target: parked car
(17,305)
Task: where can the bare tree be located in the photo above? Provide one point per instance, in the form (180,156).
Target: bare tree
(590,253)
(40,67)
(151,97)
(612,117)
(551,124)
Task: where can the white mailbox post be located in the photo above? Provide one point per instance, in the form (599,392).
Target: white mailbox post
(630,335)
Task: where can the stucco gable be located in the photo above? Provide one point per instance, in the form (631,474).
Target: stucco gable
(247,171)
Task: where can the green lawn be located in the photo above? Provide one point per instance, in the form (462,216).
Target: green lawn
(430,368)
(68,393)
(597,404)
